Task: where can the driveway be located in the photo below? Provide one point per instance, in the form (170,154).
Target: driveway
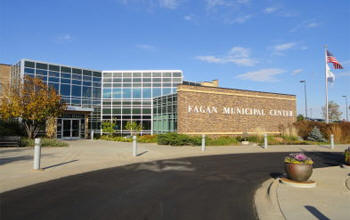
(211,187)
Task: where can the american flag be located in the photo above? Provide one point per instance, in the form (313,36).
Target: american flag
(332,59)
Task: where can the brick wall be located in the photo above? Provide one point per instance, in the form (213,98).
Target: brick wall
(5,72)
(219,111)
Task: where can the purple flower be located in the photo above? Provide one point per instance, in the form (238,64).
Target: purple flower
(300,157)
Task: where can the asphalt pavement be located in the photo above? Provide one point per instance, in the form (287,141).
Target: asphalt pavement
(212,187)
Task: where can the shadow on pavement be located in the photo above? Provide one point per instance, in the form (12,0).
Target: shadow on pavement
(14,159)
(142,153)
(59,164)
(316,213)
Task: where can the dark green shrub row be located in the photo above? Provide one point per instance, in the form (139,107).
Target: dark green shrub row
(45,142)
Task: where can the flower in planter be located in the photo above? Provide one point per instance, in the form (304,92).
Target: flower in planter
(298,158)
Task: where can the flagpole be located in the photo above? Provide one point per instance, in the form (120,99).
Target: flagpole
(325,53)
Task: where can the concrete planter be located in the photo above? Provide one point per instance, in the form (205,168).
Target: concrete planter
(298,172)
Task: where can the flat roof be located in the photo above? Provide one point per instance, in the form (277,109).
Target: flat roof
(140,71)
(246,90)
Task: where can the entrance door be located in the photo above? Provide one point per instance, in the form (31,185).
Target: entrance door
(75,129)
(71,128)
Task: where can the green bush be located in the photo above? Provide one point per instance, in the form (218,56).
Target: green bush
(147,139)
(45,142)
(115,138)
(222,141)
(11,128)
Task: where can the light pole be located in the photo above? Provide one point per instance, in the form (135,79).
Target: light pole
(346,105)
(304,81)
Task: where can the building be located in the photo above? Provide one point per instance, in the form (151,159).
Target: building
(5,74)
(128,95)
(158,100)
(197,109)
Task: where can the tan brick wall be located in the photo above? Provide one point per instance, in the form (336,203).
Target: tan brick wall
(5,72)
(192,119)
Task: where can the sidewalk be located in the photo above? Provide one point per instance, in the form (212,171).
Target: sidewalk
(330,199)
(85,155)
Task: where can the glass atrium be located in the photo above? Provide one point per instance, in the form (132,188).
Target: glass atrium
(128,95)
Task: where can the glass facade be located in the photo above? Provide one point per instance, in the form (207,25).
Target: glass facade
(118,96)
(128,95)
(79,88)
(165,114)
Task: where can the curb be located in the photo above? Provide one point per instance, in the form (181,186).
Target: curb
(347,183)
(266,202)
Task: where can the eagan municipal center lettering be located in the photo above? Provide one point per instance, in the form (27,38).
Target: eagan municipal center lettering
(238,111)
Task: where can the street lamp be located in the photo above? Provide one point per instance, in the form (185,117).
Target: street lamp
(346,105)
(304,81)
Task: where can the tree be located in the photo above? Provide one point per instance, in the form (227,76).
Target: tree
(300,117)
(333,111)
(33,102)
(133,127)
(108,127)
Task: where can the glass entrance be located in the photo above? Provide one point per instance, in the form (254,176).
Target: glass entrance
(71,128)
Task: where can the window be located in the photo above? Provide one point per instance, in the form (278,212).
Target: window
(167,74)
(126,74)
(97,74)
(87,73)
(136,93)
(41,66)
(65,90)
(166,91)
(54,68)
(65,75)
(29,64)
(29,70)
(65,69)
(54,86)
(146,93)
(76,90)
(126,93)
(76,71)
(156,79)
(87,78)
(156,74)
(97,93)
(87,91)
(117,93)
(65,81)
(55,74)
(76,76)
(157,92)
(41,72)
(117,74)
(107,74)
(53,79)
(87,83)
(77,82)
(107,93)
(177,74)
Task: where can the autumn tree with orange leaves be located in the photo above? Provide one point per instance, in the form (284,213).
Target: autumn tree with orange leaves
(33,102)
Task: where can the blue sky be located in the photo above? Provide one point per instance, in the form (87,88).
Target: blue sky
(247,44)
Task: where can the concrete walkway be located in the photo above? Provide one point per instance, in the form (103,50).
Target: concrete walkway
(85,155)
(330,199)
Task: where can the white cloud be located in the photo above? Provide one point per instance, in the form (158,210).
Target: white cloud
(62,38)
(285,46)
(171,4)
(237,55)
(296,71)
(241,19)
(263,75)
(145,46)
(270,10)
(306,25)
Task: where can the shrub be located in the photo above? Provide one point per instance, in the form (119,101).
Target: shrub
(11,128)
(222,141)
(45,142)
(147,139)
(115,138)
(316,135)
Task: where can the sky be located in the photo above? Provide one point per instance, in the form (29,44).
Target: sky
(262,45)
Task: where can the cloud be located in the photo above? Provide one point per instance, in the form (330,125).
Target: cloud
(63,38)
(285,46)
(169,4)
(263,75)
(237,55)
(270,10)
(241,19)
(296,71)
(305,25)
(146,47)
